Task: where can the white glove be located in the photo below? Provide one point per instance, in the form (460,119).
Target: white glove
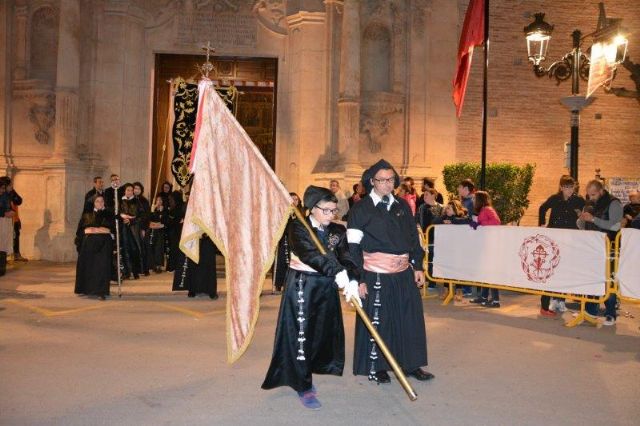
(342,279)
(351,291)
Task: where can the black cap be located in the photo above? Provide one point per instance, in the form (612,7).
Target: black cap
(371,172)
(314,194)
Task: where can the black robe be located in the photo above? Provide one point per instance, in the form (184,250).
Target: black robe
(395,304)
(200,277)
(93,269)
(281,263)
(173,232)
(311,300)
(144,210)
(131,241)
(155,240)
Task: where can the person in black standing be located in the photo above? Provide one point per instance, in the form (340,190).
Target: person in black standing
(565,206)
(156,238)
(384,243)
(98,189)
(94,236)
(201,277)
(176,212)
(109,193)
(144,210)
(165,192)
(15,200)
(130,218)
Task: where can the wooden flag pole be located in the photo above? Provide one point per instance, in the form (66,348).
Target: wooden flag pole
(367,322)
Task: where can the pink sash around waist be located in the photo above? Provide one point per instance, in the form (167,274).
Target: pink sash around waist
(385,263)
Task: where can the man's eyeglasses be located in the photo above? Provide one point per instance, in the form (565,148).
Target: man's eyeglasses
(390,180)
(327,211)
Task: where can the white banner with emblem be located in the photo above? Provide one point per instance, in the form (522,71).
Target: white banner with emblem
(558,260)
(629,269)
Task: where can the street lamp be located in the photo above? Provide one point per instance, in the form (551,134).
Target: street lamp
(575,64)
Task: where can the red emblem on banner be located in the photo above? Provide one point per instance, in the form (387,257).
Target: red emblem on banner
(539,257)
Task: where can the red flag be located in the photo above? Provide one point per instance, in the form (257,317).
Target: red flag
(239,202)
(472,35)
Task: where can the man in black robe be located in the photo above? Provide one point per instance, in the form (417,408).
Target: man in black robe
(109,193)
(98,189)
(384,243)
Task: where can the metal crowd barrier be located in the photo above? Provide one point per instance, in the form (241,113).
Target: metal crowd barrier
(608,281)
(616,261)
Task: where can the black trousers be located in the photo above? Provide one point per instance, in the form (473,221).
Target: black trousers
(16,238)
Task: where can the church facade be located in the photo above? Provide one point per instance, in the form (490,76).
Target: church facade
(357,80)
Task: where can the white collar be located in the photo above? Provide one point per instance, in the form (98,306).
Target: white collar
(316,224)
(376,199)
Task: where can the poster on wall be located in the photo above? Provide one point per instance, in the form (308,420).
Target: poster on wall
(620,187)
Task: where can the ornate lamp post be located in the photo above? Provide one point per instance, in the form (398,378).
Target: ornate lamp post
(575,64)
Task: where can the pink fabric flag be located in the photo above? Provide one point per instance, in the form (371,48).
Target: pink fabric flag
(239,202)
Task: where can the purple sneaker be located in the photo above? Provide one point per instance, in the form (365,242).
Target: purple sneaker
(309,399)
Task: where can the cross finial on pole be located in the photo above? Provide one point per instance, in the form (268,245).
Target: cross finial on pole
(207,67)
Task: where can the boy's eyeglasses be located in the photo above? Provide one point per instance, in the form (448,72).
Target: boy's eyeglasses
(327,211)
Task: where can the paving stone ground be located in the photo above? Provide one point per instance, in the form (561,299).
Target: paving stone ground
(154,357)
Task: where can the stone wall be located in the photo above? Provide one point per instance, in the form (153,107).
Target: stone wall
(357,80)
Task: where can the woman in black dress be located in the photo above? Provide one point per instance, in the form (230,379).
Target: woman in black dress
(156,237)
(93,270)
(310,334)
(130,218)
(144,209)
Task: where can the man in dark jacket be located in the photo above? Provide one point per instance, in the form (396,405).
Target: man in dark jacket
(603,213)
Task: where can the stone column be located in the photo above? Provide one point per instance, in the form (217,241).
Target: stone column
(5,87)
(307,95)
(21,12)
(67,81)
(349,100)
(333,12)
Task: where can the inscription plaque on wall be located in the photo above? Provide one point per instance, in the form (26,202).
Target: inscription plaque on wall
(222,29)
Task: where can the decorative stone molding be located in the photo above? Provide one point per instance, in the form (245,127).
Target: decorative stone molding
(303,17)
(42,105)
(378,113)
(43,117)
(271,14)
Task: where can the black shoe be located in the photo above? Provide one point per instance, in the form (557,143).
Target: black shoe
(380,377)
(421,375)
(191,294)
(478,300)
(136,276)
(158,270)
(146,273)
(491,304)
(213,296)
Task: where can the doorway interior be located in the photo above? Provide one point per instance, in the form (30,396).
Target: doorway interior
(255,107)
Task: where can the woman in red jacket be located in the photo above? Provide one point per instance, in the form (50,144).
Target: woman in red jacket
(487,216)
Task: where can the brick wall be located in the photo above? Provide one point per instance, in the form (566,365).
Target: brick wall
(526,121)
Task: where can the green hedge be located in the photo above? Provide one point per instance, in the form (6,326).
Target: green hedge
(507,184)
